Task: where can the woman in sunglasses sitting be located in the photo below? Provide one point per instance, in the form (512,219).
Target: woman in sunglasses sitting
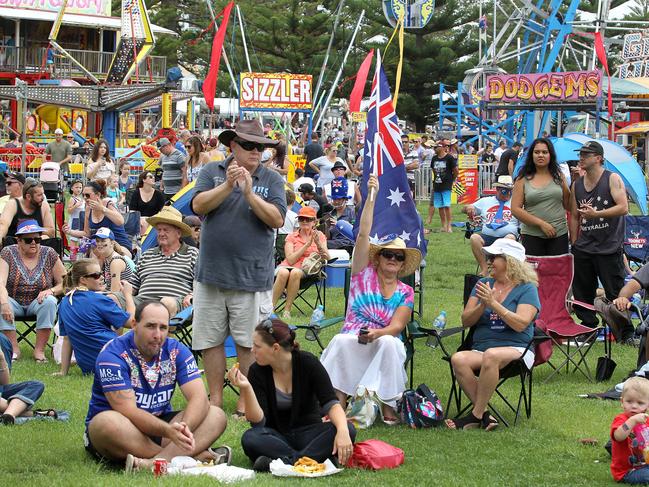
(116,266)
(501,311)
(286,393)
(300,244)
(368,351)
(31,276)
(87,317)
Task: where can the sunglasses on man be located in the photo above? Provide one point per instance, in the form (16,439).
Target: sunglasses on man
(249,146)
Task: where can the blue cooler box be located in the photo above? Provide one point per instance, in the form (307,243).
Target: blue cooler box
(336,273)
(336,270)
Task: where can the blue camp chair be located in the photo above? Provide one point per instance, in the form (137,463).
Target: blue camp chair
(181,327)
(636,239)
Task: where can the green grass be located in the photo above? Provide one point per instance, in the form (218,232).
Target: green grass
(544,450)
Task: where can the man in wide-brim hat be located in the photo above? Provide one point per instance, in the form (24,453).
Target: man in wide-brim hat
(165,272)
(243,202)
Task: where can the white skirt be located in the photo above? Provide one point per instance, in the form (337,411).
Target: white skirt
(378,366)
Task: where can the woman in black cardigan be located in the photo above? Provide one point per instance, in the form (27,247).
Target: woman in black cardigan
(286,393)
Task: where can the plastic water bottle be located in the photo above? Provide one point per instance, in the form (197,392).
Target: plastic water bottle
(439,324)
(317,316)
(636,300)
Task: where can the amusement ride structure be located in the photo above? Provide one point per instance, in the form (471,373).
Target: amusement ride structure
(541,37)
(122,89)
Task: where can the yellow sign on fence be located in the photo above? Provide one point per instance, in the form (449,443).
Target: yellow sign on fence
(359,117)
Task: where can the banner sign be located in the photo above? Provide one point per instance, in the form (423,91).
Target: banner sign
(275,90)
(359,117)
(544,87)
(88,7)
(465,187)
(467,161)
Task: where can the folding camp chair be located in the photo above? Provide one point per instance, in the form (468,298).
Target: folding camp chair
(25,326)
(572,340)
(515,369)
(408,335)
(636,239)
(181,325)
(315,282)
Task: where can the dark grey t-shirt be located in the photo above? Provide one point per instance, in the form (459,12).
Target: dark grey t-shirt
(236,250)
(172,171)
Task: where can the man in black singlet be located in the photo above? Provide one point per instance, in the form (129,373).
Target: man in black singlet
(598,205)
(32,206)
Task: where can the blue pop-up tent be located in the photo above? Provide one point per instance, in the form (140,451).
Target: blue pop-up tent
(180,201)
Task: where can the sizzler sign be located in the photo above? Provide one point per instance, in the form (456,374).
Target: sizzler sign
(275,90)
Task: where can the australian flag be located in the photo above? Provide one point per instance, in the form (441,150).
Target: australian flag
(394,211)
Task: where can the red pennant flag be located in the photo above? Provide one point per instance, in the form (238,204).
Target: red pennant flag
(601,55)
(209,85)
(359,85)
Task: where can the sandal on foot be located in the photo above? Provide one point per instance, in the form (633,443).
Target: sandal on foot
(488,422)
(45,413)
(42,360)
(221,455)
(15,356)
(239,415)
(130,464)
(133,464)
(465,423)
(390,421)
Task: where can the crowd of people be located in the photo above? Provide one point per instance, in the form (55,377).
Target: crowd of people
(242,252)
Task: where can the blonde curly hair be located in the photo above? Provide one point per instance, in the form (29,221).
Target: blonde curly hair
(520,272)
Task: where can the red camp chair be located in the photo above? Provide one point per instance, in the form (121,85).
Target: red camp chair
(572,340)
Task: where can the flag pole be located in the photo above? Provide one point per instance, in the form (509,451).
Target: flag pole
(340,71)
(224,54)
(326,59)
(375,144)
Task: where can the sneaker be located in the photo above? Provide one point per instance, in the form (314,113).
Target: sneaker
(262,464)
(631,342)
(221,454)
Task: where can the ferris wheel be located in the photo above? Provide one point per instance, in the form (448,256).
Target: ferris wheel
(540,37)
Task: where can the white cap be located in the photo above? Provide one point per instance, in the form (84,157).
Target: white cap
(58,132)
(506,246)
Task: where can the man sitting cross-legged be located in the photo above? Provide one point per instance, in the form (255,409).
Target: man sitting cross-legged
(130,416)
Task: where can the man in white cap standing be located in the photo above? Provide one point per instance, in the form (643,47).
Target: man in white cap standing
(598,204)
(243,202)
(59,150)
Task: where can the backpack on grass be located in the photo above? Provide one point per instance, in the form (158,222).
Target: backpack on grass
(420,408)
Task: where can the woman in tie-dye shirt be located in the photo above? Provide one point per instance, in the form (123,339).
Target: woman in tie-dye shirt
(369,352)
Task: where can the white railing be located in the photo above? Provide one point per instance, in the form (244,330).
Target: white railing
(33,60)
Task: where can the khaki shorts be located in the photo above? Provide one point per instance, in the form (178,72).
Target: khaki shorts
(138,300)
(221,312)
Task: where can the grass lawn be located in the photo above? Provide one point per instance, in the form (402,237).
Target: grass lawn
(544,450)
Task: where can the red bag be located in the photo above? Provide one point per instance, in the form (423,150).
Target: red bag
(375,455)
